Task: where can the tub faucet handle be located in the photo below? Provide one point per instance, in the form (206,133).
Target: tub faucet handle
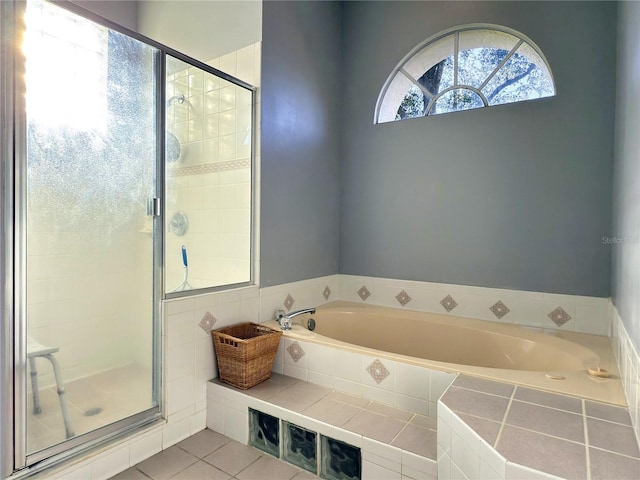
(285,318)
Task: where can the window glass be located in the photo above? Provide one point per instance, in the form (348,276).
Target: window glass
(463,68)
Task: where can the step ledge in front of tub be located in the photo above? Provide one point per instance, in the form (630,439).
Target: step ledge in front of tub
(228,414)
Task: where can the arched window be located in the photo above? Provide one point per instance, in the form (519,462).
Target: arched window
(465,67)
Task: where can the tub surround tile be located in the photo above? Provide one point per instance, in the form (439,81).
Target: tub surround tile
(610,466)
(486,429)
(425,422)
(559,316)
(389,411)
(332,412)
(484,386)
(613,437)
(354,400)
(299,396)
(547,399)
(288,302)
(295,351)
(448,303)
(545,432)
(499,309)
(542,452)
(326,293)
(364,293)
(378,371)
(375,426)
(475,403)
(607,412)
(566,425)
(403,298)
(418,440)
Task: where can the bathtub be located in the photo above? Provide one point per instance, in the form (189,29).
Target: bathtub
(547,359)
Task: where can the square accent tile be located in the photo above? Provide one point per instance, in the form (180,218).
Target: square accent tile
(378,371)
(289,301)
(499,309)
(364,293)
(296,351)
(207,322)
(559,316)
(448,303)
(403,298)
(326,293)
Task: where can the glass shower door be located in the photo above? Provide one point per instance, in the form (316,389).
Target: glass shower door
(90,170)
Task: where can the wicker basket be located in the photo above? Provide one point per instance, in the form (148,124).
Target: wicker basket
(245,353)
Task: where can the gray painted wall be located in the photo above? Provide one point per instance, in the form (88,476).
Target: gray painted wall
(515,196)
(626,186)
(301,53)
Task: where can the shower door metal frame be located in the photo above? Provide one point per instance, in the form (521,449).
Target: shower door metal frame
(14,460)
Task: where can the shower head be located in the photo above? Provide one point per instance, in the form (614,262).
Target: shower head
(176,99)
(172,148)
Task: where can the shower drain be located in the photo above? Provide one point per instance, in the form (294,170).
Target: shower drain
(92,411)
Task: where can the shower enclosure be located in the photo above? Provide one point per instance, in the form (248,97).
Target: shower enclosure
(108,129)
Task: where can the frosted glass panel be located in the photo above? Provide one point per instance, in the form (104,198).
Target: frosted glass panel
(90,169)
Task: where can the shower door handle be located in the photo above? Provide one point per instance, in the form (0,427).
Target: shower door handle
(153,207)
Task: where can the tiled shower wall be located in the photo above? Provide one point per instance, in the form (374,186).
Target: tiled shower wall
(71,289)
(211,183)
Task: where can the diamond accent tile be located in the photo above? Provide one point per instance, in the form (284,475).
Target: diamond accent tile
(289,301)
(403,298)
(207,322)
(559,316)
(448,303)
(499,309)
(326,293)
(378,371)
(364,293)
(296,351)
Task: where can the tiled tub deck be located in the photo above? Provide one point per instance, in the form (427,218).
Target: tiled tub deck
(485,430)
(492,430)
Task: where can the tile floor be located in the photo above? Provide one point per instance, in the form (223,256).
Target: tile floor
(587,439)
(92,402)
(209,455)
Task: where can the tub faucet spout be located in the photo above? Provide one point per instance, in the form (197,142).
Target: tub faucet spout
(285,319)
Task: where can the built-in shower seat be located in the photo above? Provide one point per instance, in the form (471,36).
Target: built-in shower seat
(35,350)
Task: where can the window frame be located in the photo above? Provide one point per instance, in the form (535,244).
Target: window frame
(455,32)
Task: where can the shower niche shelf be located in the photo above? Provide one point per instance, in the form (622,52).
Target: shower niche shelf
(327,457)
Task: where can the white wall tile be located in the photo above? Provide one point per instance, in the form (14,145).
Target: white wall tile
(415,466)
(412,381)
(145,446)
(108,464)
(175,431)
(439,382)
(382,455)
(371,471)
